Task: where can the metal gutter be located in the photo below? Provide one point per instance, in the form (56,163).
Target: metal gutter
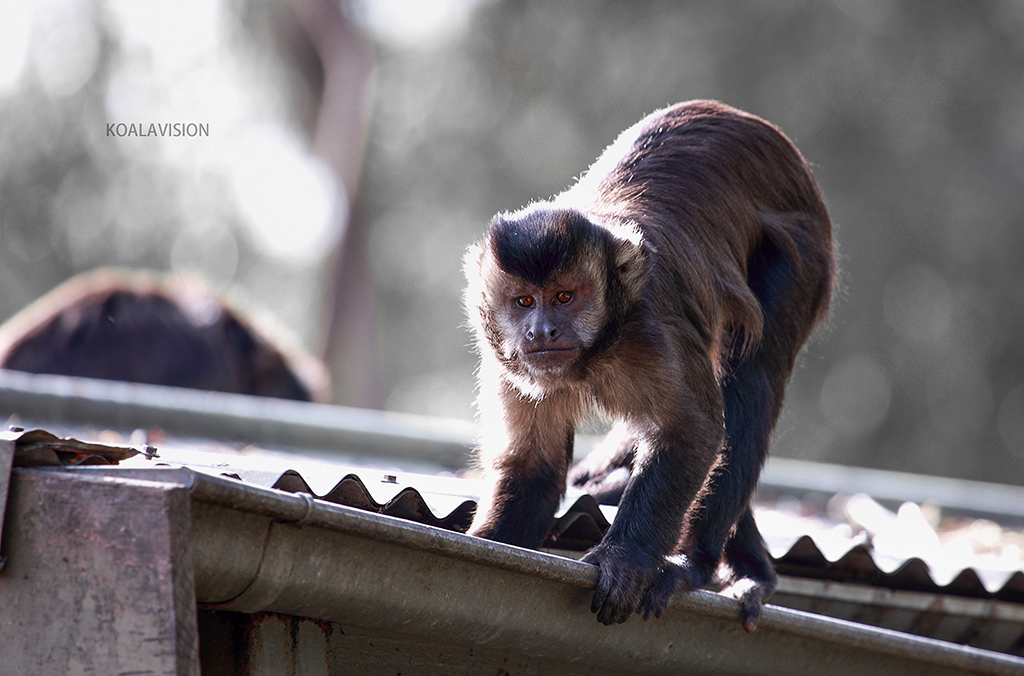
(273,423)
(120,405)
(261,550)
(449,502)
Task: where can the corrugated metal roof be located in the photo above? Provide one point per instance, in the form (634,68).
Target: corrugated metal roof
(449,502)
(812,580)
(262,550)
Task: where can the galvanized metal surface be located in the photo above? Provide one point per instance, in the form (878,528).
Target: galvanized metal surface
(936,610)
(258,550)
(974,498)
(437,501)
(990,624)
(341,431)
(905,598)
(580,522)
(929,610)
(270,644)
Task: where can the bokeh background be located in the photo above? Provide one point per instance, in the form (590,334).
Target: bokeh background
(356,148)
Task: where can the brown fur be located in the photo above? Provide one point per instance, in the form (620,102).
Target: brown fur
(698,256)
(135,327)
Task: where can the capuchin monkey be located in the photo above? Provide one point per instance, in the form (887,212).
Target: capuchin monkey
(671,288)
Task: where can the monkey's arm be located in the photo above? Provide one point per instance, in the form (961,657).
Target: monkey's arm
(526,451)
(678,439)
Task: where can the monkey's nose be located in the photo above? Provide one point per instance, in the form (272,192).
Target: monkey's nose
(544,330)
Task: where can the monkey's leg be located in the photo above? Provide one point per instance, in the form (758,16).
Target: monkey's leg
(790,274)
(754,579)
(752,393)
(752,401)
(605,472)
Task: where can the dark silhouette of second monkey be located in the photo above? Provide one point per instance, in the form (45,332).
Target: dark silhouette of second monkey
(671,288)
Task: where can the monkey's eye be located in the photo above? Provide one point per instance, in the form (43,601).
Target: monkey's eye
(525,301)
(563,296)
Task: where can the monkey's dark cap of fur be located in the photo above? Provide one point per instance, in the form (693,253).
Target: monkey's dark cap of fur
(540,243)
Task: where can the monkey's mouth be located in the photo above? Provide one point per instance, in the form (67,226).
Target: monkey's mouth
(550,358)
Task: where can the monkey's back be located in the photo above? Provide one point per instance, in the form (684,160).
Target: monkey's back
(706,184)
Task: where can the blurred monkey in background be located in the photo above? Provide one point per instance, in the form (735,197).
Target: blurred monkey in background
(137,328)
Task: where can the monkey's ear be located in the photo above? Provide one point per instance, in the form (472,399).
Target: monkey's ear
(629,261)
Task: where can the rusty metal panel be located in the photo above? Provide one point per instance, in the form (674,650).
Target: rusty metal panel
(270,644)
(98,577)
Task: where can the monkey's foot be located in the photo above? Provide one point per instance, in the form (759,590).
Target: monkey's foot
(605,488)
(605,471)
(624,576)
(751,594)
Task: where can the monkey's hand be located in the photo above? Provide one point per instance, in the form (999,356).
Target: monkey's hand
(624,577)
(683,574)
(680,573)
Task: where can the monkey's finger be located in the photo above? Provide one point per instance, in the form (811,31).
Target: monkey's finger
(619,604)
(600,595)
(613,613)
(603,603)
(659,594)
(651,610)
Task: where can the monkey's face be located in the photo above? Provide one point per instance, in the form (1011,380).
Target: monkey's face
(546,328)
(542,286)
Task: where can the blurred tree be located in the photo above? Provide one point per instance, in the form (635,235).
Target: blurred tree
(911,113)
(335,61)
